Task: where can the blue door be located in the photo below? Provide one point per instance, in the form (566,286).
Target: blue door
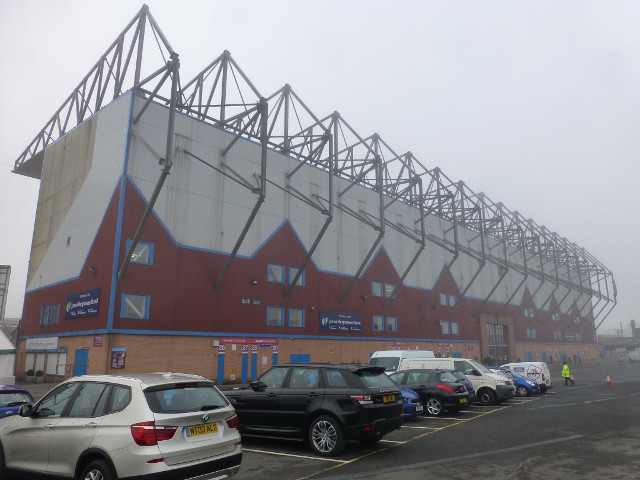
(528,356)
(81,362)
(544,356)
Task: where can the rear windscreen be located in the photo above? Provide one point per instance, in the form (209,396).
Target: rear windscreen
(180,399)
(375,378)
(389,363)
(447,377)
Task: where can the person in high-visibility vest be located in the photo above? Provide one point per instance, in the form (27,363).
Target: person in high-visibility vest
(566,374)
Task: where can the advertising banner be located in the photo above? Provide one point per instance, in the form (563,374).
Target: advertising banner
(118,357)
(83,304)
(340,322)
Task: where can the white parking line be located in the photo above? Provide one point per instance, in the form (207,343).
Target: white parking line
(421,428)
(267,452)
(441,418)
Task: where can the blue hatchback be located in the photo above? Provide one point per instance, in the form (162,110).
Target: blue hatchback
(524,386)
(11,398)
(412,403)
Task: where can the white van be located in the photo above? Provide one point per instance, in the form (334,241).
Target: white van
(491,388)
(536,371)
(391,359)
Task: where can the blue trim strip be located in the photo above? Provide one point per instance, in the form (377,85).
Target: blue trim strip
(245,335)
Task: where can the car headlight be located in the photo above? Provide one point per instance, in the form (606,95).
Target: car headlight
(531,383)
(501,382)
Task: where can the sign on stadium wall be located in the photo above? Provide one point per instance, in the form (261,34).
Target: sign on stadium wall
(340,322)
(83,304)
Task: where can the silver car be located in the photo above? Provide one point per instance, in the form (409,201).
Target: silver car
(108,427)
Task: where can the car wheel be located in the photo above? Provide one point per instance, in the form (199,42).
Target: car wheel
(98,470)
(326,437)
(433,406)
(521,391)
(487,397)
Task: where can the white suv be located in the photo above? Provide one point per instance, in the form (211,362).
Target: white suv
(108,427)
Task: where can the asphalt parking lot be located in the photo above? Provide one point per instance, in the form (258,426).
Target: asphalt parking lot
(586,431)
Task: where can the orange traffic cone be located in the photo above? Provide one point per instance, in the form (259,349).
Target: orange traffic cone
(608,380)
(571,378)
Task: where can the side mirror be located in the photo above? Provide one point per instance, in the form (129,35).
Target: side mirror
(25,411)
(476,373)
(258,386)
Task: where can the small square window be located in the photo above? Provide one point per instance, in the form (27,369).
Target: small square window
(448,300)
(455,329)
(142,254)
(445,326)
(292,274)
(44,315)
(275,316)
(378,323)
(54,314)
(377,289)
(392,324)
(296,317)
(389,290)
(275,273)
(134,306)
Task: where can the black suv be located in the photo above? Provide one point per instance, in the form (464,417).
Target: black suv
(327,404)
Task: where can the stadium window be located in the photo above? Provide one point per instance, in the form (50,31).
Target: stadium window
(444,326)
(448,300)
(377,289)
(450,328)
(275,273)
(555,317)
(392,324)
(531,333)
(54,314)
(296,317)
(579,336)
(134,306)
(576,320)
(529,312)
(44,315)
(275,316)
(292,273)
(378,323)
(142,254)
(389,290)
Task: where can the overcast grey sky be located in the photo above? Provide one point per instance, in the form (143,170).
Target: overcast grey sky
(536,104)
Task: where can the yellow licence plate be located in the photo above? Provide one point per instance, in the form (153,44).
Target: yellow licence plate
(463,400)
(197,430)
(388,398)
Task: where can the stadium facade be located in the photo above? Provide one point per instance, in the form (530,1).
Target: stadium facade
(205,228)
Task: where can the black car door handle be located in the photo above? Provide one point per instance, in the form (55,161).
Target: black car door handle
(313,394)
(272,394)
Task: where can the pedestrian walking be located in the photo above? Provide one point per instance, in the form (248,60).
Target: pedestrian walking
(567,375)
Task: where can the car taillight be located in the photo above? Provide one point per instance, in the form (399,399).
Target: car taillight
(362,399)
(446,388)
(148,433)
(233,422)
